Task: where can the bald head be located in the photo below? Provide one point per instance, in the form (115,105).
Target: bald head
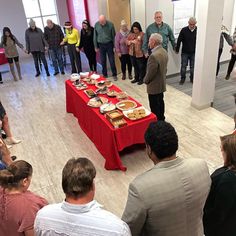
(102,20)
(158,17)
(49,24)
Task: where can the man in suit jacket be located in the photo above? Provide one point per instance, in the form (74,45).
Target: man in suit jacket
(168,199)
(155,78)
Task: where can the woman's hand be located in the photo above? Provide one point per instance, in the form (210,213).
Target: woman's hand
(77,49)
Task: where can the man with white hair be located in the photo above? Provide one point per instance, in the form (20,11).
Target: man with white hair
(187,37)
(104,41)
(161,28)
(155,78)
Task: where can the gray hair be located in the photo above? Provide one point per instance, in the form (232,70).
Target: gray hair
(158,12)
(192,19)
(157,37)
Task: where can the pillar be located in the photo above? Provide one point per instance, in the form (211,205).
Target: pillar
(209,20)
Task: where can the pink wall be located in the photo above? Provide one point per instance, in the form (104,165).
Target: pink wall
(93,11)
(76,11)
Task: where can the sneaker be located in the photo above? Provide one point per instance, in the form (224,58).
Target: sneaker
(12,140)
(37,74)
(227,77)
(115,78)
(134,81)
(56,73)
(123,77)
(63,72)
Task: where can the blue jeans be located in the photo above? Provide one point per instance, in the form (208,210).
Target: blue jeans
(107,49)
(185,57)
(57,61)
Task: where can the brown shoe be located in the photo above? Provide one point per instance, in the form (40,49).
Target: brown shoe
(123,77)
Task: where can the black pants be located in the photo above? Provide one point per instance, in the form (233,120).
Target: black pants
(91,56)
(157,105)
(106,49)
(125,61)
(38,57)
(231,64)
(139,64)
(218,61)
(74,59)
(0,76)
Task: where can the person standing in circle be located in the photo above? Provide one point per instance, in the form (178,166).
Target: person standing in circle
(86,42)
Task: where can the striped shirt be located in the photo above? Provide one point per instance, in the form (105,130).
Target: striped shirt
(78,220)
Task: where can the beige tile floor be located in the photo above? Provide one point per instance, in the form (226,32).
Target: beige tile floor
(36,107)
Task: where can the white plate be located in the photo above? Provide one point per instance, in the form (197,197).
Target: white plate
(97,104)
(84,74)
(74,77)
(95,76)
(107,107)
(118,105)
(131,111)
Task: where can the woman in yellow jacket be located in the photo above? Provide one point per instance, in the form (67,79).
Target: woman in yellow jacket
(73,40)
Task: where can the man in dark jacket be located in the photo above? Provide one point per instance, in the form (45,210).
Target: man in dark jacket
(187,37)
(54,36)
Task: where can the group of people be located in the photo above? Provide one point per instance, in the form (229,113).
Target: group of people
(176,197)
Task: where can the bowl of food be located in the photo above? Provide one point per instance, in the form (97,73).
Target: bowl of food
(74,77)
(126,105)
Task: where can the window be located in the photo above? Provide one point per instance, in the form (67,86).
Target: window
(40,11)
(183,10)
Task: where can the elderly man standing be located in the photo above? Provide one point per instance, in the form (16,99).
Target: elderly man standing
(187,37)
(155,78)
(159,27)
(104,41)
(54,35)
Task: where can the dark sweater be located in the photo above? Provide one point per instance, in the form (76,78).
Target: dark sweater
(53,36)
(188,40)
(220,208)
(86,41)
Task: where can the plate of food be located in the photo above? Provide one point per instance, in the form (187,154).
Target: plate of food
(126,105)
(90,93)
(103,90)
(103,83)
(81,86)
(111,93)
(122,96)
(107,107)
(94,76)
(91,81)
(137,113)
(97,101)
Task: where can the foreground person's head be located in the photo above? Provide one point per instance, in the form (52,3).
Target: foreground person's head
(17,176)
(78,180)
(228,149)
(161,141)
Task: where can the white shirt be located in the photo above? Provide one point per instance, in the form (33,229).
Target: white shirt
(78,220)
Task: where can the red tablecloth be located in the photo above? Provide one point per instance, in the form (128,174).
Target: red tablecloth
(108,140)
(3,59)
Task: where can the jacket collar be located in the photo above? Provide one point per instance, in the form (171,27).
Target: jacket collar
(168,164)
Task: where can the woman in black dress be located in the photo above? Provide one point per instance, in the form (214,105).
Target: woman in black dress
(86,42)
(220,208)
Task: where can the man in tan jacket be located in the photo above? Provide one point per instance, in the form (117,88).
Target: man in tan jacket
(155,78)
(168,199)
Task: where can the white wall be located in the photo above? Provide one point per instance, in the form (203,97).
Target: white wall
(12,15)
(166,6)
(138,13)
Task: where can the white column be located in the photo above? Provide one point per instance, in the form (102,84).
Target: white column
(209,20)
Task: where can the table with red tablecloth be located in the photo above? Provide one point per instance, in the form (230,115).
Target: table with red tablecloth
(3,59)
(108,140)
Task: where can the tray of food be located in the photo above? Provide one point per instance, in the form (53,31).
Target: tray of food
(103,83)
(97,101)
(116,118)
(111,93)
(126,105)
(103,90)
(90,93)
(122,96)
(137,113)
(107,107)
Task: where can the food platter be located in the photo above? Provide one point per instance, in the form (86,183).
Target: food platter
(90,93)
(122,96)
(107,107)
(97,101)
(137,113)
(126,105)
(103,83)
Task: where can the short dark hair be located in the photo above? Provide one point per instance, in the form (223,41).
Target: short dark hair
(162,139)
(77,177)
(136,25)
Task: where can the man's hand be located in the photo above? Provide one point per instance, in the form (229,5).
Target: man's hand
(119,54)
(146,55)
(96,49)
(77,49)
